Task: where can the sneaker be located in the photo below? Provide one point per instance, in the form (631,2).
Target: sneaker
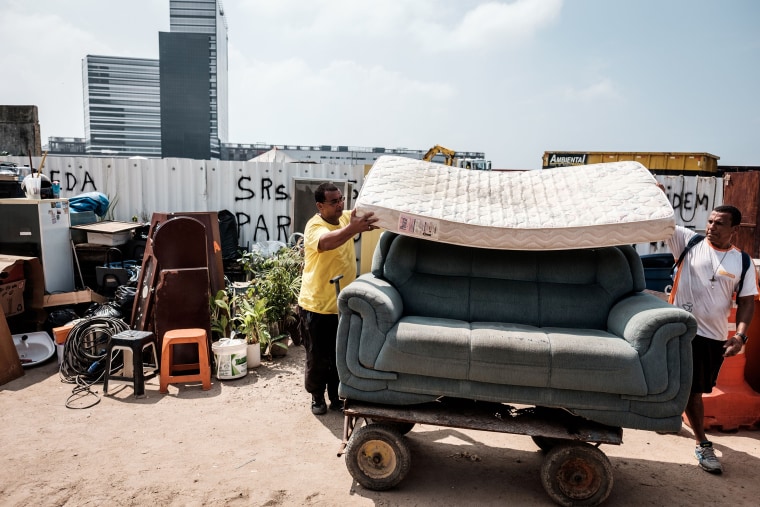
(336,405)
(318,405)
(707,459)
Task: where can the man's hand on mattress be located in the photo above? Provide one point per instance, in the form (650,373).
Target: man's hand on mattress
(363,223)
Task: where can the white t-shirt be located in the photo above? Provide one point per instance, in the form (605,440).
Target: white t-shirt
(694,289)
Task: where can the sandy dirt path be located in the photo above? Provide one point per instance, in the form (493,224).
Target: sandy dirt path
(254,441)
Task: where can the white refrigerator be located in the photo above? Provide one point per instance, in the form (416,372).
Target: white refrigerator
(40,228)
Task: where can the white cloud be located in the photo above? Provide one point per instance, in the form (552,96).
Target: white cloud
(420,25)
(603,89)
(490,25)
(367,62)
(50,78)
(43,44)
(319,99)
(508,77)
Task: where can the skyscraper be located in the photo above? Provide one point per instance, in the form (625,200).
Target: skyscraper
(193,69)
(122,112)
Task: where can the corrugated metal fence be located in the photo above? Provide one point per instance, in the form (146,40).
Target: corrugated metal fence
(261,194)
(693,198)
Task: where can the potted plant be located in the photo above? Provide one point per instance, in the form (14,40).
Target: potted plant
(221,314)
(279,281)
(252,264)
(250,322)
(276,277)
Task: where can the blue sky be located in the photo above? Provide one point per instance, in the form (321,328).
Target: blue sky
(510,78)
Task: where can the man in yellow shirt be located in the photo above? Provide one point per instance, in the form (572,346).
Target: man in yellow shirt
(328,252)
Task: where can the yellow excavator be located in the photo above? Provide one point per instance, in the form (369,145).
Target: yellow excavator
(435,150)
(451,159)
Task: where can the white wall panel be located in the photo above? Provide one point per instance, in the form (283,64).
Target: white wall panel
(693,198)
(260,193)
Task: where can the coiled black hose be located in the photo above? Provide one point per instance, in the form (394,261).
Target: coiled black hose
(84,355)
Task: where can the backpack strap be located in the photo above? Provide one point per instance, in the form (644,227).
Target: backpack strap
(693,241)
(746,262)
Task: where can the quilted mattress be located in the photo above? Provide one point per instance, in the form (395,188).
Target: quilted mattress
(587,206)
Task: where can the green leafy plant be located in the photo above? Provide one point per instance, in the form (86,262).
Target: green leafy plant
(250,319)
(279,342)
(280,283)
(281,290)
(275,279)
(221,314)
(252,264)
(251,322)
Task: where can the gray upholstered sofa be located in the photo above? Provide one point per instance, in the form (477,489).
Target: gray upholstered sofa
(569,329)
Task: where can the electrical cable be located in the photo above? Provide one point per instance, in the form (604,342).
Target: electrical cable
(84,355)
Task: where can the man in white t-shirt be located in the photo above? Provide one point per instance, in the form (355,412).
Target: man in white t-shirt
(705,283)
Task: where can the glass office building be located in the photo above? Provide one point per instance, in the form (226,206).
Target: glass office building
(194,90)
(122,110)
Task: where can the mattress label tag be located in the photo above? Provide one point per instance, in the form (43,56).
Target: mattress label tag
(417,226)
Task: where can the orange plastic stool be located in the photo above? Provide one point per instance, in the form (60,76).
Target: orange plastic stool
(176,337)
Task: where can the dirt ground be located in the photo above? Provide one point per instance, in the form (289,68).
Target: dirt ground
(254,441)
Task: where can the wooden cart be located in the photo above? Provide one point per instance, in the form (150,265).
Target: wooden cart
(574,470)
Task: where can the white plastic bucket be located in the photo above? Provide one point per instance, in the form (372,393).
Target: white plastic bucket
(33,187)
(230,358)
(254,355)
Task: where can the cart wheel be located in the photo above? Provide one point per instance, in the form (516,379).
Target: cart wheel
(377,457)
(576,474)
(546,444)
(401,427)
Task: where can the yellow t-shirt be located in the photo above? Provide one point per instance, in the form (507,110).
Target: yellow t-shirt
(317,293)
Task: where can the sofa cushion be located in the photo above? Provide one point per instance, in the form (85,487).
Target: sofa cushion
(568,288)
(597,361)
(427,346)
(513,354)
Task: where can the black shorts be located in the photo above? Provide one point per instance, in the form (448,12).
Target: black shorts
(707,355)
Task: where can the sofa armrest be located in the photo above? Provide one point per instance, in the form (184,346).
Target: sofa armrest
(661,334)
(642,319)
(369,307)
(374,299)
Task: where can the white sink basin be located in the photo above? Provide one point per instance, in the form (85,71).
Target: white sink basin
(33,348)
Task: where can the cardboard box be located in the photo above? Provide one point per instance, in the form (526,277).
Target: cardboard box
(10,364)
(73,298)
(111,233)
(103,238)
(12,273)
(12,297)
(34,280)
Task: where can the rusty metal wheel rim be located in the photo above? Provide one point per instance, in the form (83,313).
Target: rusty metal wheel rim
(377,459)
(578,479)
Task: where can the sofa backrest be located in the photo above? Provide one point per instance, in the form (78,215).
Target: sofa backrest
(563,288)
